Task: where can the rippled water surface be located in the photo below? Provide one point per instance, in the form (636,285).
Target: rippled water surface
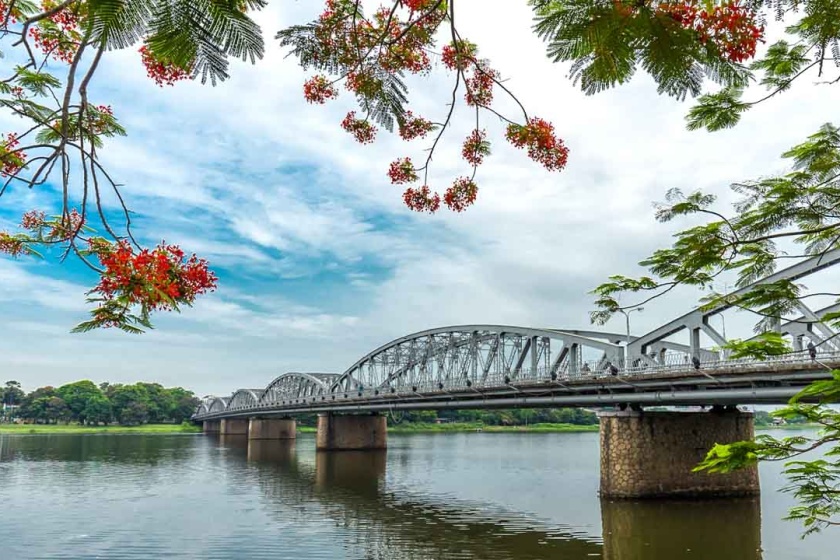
(441,496)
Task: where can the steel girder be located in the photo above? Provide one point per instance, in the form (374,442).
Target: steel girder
(292,387)
(244,398)
(218,404)
(451,358)
(697,321)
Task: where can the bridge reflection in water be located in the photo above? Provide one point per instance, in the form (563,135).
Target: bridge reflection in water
(352,488)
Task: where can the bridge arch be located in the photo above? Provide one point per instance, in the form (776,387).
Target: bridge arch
(244,398)
(471,356)
(219,404)
(292,387)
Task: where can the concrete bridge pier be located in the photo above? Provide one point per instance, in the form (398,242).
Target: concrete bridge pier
(211,426)
(272,428)
(351,433)
(234,427)
(652,454)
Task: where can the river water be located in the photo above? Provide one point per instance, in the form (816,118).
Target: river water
(474,496)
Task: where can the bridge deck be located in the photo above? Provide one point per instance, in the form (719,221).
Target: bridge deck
(772,381)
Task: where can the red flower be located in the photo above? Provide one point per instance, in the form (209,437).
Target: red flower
(361,129)
(731,28)
(461,194)
(11,158)
(161,71)
(476,147)
(318,89)
(11,245)
(156,279)
(402,171)
(543,145)
(480,86)
(422,199)
(459,55)
(412,127)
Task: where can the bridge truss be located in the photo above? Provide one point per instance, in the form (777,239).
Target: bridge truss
(495,366)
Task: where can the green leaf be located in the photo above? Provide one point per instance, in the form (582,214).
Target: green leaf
(716,111)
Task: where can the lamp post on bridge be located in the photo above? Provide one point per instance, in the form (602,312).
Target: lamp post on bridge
(626,314)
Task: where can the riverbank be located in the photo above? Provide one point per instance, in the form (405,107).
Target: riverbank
(424,428)
(77,429)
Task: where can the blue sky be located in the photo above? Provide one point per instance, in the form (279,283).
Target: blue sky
(318,260)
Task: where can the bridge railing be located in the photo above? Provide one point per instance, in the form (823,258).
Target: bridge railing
(496,381)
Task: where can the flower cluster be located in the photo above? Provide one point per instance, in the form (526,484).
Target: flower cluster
(161,71)
(318,89)
(11,158)
(33,220)
(422,199)
(480,85)
(394,41)
(66,227)
(732,28)
(57,35)
(402,171)
(476,147)
(13,15)
(412,127)
(156,279)
(418,5)
(12,245)
(361,129)
(50,230)
(543,145)
(460,55)
(461,194)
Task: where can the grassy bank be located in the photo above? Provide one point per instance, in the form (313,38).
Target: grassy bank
(793,427)
(77,429)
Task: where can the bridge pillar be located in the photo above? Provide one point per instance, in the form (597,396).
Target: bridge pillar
(351,433)
(211,426)
(272,428)
(652,454)
(234,427)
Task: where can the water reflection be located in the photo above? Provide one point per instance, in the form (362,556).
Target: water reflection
(720,529)
(351,487)
(475,498)
(94,448)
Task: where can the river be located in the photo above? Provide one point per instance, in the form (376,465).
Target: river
(476,496)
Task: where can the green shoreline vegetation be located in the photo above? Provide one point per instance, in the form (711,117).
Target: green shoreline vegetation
(417,428)
(466,427)
(87,404)
(185,428)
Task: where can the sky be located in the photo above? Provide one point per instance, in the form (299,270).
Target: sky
(319,261)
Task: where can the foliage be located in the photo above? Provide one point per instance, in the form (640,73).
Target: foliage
(683,43)
(512,417)
(129,405)
(774,214)
(766,344)
(680,43)
(11,393)
(815,483)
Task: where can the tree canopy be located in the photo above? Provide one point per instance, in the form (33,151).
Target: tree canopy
(86,403)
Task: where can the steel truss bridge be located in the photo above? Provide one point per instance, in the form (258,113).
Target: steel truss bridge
(495,366)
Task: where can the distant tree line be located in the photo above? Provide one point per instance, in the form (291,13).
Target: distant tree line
(512,417)
(86,403)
